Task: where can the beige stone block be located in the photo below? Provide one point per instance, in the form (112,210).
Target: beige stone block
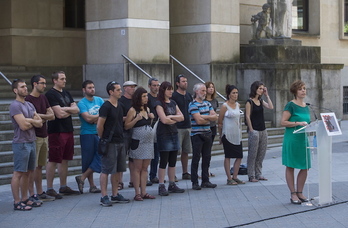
(194,48)
(106,46)
(225,48)
(6,50)
(149,45)
(225,12)
(190,12)
(97,10)
(149,9)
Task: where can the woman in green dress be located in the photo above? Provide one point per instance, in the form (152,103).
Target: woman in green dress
(295,154)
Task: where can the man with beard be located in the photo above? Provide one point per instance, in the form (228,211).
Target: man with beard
(89,113)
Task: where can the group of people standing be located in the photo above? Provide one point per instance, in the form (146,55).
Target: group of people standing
(151,128)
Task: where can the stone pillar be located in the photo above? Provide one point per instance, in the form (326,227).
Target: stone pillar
(137,29)
(202,33)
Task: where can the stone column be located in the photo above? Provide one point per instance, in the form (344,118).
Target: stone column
(137,29)
(203,35)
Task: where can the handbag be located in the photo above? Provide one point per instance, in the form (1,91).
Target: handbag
(103,144)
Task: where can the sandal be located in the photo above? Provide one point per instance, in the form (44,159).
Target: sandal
(238,181)
(211,175)
(130,185)
(302,199)
(262,178)
(253,179)
(20,206)
(32,203)
(231,182)
(120,185)
(138,197)
(148,196)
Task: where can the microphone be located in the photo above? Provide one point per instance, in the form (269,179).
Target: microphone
(319,108)
(315,115)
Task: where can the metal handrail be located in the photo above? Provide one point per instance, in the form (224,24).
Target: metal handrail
(9,82)
(196,76)
(138,67)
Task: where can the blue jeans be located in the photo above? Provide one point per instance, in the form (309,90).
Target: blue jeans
(201,146)
(154,162)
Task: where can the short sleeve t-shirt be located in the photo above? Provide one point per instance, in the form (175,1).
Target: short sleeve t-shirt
(91,107)
(183,102)
(203,108)
(41,105)
(127,104)
(28,110)
(169,109)
(113,115)
(63,99)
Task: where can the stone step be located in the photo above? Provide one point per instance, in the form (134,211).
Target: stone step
(5,69)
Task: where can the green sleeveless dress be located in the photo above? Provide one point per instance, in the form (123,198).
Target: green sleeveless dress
(294,152)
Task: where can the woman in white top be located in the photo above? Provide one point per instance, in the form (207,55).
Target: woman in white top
(230,132)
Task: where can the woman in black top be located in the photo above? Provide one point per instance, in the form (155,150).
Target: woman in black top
(141,149)
(257,140)
(167,137)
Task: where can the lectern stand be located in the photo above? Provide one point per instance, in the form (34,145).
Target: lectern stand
(324,150)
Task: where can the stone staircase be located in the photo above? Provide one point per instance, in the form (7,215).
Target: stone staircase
(275,137)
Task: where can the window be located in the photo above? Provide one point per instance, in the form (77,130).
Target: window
(345,99)
(74,14)
(345,18)
(300,15)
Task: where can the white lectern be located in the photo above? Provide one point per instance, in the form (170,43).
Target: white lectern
(324,150)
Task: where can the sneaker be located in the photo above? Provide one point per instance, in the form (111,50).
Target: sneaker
(154,180)
(162,191)
(186,176)
(148,183)
(44,197)
(94,189)
(195,186)
(208,185)
(80,183)
(173,188)
(35,199)
(68,191)
(53,193)
(119,199)
(105,202)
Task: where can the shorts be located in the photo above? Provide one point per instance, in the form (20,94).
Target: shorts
(89,153)
(115,160)
(24,156)
(61,146)
(185,141)
(41,151)
(168,142)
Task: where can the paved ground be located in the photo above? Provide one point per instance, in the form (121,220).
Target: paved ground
(263,204)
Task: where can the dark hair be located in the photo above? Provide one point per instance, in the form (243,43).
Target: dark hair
(162,89)
(136,99)
(56,74)
(152,79)
(110,86)
(254,87)
(35,78)
(229,89)
(87,82)
(177,79)
(15,83)
(295,86)
(207,84)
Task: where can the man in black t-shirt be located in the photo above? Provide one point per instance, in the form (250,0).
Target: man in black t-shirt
(60,135)
(183,98)
(114,163)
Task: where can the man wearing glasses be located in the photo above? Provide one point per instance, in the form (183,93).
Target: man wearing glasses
(44,110)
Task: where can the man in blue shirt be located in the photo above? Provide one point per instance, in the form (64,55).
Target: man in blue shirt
(89,113)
